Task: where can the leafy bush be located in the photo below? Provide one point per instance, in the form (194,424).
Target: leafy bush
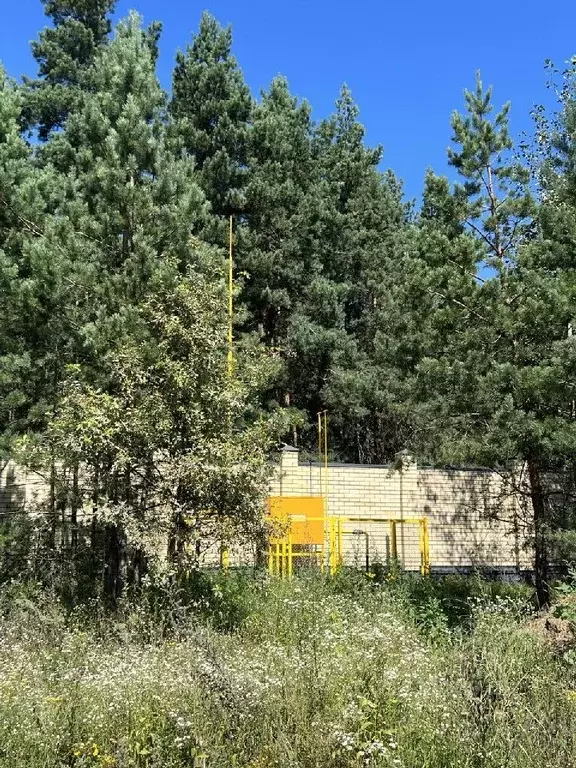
(447,602)
(565,609)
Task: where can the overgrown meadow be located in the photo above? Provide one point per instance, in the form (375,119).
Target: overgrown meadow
(255,673)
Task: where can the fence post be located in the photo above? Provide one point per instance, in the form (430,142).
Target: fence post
(393,540)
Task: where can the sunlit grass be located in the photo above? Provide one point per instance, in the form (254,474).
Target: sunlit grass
(314,674)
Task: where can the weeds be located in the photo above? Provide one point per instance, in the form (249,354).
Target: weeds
(258,673)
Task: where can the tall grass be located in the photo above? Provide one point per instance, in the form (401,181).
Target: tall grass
(307,674)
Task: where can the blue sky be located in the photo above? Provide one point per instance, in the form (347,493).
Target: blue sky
(407,63)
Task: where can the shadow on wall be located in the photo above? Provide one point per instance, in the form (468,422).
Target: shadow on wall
(12,493)
(475,520)
(15,534)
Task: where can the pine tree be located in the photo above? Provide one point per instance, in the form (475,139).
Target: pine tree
(500,207)
(421,291)
(124,215)
(273,243)
(170,450)
(14,172)
(64,52)
(24,196)
(441,293)
(126,199)
(141,400)
(212,105)
(501,393)
(358,222)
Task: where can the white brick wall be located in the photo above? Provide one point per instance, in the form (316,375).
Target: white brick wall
(473,516)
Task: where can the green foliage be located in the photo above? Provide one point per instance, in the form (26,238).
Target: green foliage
(23,203)
(565,593)
(443,603)
(492,382)
(354,230)
(329,679)
(211,105)
(64,53)
(118,204)
(500,208)
(438,605)
(16,537)
(136,421)
(278,195)
(224,601)
(112,350)
(167,449)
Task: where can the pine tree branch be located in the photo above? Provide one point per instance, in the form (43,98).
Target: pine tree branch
(459,303)
(29,225)
(482,235)
(493,209)
(471,274)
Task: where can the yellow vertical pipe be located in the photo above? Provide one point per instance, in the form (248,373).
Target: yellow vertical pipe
(270,560)
(319,416)
(426,546)
(323,461)
(224,553)
(224,557)
(285,558)
(333,553)
(290,563)
(421,542)
(326,458)
(422,552)
(320,446)
(340,540)
(230,303)
(326,474)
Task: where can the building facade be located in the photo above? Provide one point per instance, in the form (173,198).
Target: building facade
(475,518)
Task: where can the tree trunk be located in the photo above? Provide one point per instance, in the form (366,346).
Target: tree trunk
(180,533)
(95,559)
(288,403)
(74,511)
(262,543)
(541,564)
(115,562)
(115,549)
(52,503)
